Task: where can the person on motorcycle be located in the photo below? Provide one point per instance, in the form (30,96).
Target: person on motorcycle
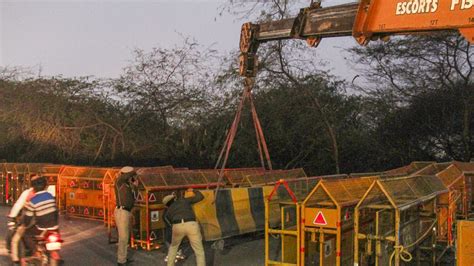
(40,212)
(18,232)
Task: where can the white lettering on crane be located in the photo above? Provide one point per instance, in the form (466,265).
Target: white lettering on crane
(463,4)
(418,6)
(454,3)
(468,4)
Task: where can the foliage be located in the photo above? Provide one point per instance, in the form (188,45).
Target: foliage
(175,106)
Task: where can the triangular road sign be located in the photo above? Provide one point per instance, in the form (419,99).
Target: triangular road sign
(72,183)
(347,215)
(152,198)
(86,211)
(139,197)
(319,219)
(152,235)
(72,210)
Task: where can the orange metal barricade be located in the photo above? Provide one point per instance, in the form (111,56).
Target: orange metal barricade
(80,191)
(327,221)
(109,201)
(15,177)
(403,211)
(148,230)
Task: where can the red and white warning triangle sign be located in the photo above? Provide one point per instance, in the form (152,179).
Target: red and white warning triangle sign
(152,198)
(152,235)
(139,197)
(319,219)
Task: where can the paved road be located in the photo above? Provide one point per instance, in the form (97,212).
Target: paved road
(86,244)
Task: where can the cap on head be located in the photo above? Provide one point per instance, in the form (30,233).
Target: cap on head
(126,170)
(34,177)
(168,198)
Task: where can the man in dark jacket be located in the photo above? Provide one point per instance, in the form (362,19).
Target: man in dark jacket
(181,216)
(125,200)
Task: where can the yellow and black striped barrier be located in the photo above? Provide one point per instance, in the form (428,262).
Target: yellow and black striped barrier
(234,211)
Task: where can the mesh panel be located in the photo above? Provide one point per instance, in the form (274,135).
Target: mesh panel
(409,189)
(155,170)
(429,170)
(466,167)
(408,169)
(149,181)
(450,175)
(84,172)
(21,168)
(211,176)
(51,170)
(301,187)
(35,167)
(237,176)
(174,179)
(271,177)
(376,196)
(344,191)
(179,178)
(68,171)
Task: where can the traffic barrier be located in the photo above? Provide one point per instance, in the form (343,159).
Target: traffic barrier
(110,201)
(15,178)
(450,205)
(465,245)
(148,229)
(327,227)
(283,219)
(80,191)
(403,211)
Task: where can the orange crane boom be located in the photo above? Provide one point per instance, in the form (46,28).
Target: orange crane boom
(365,21)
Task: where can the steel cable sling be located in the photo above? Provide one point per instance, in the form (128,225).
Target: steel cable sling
(261,143)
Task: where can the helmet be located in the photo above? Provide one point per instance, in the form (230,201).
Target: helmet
(38,182)
(128,172)
(127,169)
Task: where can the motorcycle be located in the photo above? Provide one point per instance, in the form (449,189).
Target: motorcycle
(48,245)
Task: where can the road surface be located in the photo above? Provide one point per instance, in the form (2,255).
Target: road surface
(86,243)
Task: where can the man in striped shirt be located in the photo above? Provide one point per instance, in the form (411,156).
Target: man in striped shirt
(40,212)
(18,232)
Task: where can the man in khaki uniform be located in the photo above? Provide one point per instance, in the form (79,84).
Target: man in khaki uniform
(124,187)
(181,216)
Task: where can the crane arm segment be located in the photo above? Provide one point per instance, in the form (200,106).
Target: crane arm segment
(365,21)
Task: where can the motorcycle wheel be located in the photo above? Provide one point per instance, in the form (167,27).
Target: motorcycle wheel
(54,259)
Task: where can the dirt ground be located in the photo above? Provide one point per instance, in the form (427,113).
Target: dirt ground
(86,243)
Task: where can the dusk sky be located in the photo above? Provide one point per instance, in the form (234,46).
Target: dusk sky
(78,38)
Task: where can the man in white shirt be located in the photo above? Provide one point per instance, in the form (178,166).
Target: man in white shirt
(25,196)
(17,207)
